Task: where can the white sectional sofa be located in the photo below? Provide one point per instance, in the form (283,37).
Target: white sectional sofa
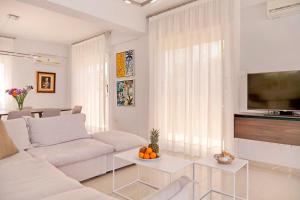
(64,142)
(24,177)
(56,153)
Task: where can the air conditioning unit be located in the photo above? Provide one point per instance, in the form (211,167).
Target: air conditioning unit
(46,59)
(42,59)
(279,8)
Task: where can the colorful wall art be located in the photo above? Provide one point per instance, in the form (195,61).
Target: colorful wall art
(125,63)
(125,93)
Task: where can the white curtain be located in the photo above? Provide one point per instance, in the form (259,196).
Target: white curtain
(89,81)
(5,73)
(193,74)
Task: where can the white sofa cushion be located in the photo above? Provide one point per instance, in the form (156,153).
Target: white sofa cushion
(186,192)
(71,152)
(16,159)
(178,190)
(27,178)
(55,130)
(17,130)
(80,194)
(120,140)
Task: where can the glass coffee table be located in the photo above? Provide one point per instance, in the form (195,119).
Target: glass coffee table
(166,164)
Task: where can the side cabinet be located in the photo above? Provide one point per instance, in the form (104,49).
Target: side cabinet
(281,130)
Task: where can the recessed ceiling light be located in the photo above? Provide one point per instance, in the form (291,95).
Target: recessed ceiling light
(127,1)
(139,3)
(13,17)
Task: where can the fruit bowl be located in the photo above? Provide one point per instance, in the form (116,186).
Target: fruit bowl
(225,158)
(157,158)
(147,153)
(151,151)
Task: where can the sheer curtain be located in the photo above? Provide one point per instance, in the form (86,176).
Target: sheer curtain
(89,80)
(193,74)
(5,73)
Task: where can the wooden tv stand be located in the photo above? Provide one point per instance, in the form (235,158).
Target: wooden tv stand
(275,129)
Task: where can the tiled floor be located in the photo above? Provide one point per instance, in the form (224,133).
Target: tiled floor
(267,182)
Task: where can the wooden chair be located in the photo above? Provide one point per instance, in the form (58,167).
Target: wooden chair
(50,112)
(77,109)
(18,114)
(29,108)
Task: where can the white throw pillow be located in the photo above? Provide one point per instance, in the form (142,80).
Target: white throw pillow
(17,130)
(56,130)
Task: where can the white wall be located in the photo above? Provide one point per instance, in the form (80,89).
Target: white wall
(267,46)
(131,119)
(24,73)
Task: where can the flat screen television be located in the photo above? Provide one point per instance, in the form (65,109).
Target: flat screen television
(274,91)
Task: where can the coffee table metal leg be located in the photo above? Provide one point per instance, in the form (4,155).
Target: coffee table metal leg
(139,173)
(194,182)
(113,174)
(247,192)
(210,181)
(234,195)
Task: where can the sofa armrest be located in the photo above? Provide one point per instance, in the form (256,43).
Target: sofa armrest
(120,140)
(180,189)
(185,194)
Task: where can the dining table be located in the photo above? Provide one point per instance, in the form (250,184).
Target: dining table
(33,111)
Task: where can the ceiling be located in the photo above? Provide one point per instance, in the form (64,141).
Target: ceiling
(161,5)
(41,24)
(248,3)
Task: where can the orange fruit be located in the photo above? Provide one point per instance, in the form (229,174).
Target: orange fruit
(143,149)
(153,155)
(149,150)
(146,156)
(141,155)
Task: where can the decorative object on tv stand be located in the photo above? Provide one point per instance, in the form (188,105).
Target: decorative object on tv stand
(152,151)
(19,95)
(125,93)
(46,82)
(125,63)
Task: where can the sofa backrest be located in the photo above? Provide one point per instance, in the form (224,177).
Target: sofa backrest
(56,130)
(18,132)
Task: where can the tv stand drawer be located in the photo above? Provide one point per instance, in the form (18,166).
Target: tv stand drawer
(267,130)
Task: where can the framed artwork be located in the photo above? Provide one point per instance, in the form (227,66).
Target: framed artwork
(125,93)
(125,62)
(45,82)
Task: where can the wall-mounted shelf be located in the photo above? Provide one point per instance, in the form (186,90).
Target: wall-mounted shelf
(260,127)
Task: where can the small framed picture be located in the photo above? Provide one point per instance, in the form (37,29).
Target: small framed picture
(125,93)
(125,62)
(45,82)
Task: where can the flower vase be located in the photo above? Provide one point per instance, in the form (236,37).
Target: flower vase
(19,95)
(20,106)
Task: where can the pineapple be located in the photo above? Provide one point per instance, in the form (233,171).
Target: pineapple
(154,140)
